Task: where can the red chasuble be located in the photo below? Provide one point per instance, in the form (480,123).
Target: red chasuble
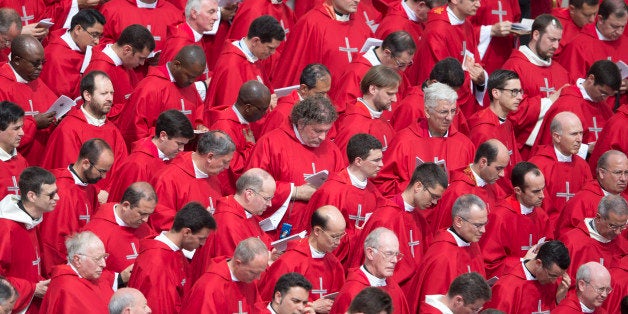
(570,29)
(250,10)
(582,205)
(571,305)
(62,62)
(10,171)
(613,136)
(619,282)
(396,19)
(281,114)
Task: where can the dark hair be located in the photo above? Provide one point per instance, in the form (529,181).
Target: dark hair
(398,42)
(194,216)
(554,252)
(498,79)
(175,124)
(92,149)
(138,37)
(578,3)
(318,220)
(471,287)
(371,300)
(313,73)
(88,82)
(9,113)
(290,280)
(486,150)
(617,8)
(7,292)
(315,109)
(542,21)
(430,175)
(449,72)
(87,18)
(360,145)
(624,305)
(32,178)
(606,73)
(520,170)
(266,28)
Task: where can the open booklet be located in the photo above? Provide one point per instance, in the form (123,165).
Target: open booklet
(522,28)
(282,244)
(317,179)
(61,106)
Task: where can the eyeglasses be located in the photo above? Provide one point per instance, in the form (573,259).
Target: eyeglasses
(513,91)
(388,255)
(4,39)
(103,257)
(336,237)
(93,35)
(266,198)
(617,173)
(101,171)
(35,64)
(401,64)
(600,290)
(445,113)
(434,197)
(476,225)
(614,227)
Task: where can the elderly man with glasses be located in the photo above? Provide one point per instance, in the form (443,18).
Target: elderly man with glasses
(592,288)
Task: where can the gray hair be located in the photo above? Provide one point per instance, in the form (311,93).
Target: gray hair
(439,91)
(217,142)
(252,179)
(612,203)
(122,299)
(8,17)
(462,205)
(79,242)
(372,240)
(193,5)
(249,248)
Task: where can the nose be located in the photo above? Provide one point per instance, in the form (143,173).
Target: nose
(501,173)
(591,19)
(56,197)
(145,219)
(483,229)
(394,98)
(20,132)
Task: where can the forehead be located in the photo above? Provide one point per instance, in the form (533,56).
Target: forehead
(552,31)
(531,180)
(273,43)
(617,218)
(617,161)
(614,19)
(374,154)
(388,241)
(48,187)
(514,83)
(444,104)
(587,9)
(96,25)
(102,82)
(297,293)
(476,212)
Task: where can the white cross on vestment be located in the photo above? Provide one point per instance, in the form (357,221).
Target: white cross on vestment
(14,189)
(385,147)
(566,194)
(348,49)
(412,243)
(134,255)
(464,50)
(183,111)
(595,129)
(540,309)
(547,90)
(37,261)
(602,261)
(527,247)
(370,23)
(499,12)
(240,308)
(25,18)
(156,38)
(86,216)
(32,112)
(285,30)
(211,208)
(469,268)
(320,291)
(358,218)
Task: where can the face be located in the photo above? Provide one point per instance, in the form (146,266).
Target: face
(191,241)
(88,37)
(383,97)
(263,50)
(329,238)
(293,302)
(257,109)
(207,15)
(612,226)
(466,7)
(505,98)
(251,270)
(92,262)
(440,117)
(6,38)
(100,102)
(321,88)
(261,200)
(386,256)
(598,93)
(372,164)
(584,15)
(47,199)
(472,227)
(491,172)
(171,146)
(401,62)
(216,164)
(186,74)
(11,137)
(547,43)
(346,6)
(548,275)
(613,27)
(426,197)
(313,134)
(569,140)
(29,66)
(613,177)
(136,216)
(132,58)
(595,292)
(98,170)
(461,308)
(532,193)
(141,305)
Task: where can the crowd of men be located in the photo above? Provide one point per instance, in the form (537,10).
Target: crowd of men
(329,156)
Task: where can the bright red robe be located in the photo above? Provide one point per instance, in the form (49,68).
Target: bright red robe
(160,274)
(562,179)
(68,293)
(152,96)
(400,159)
(510,234)
(10,171)
(322,39)
(273,158)
(179,36)
(73,211)
(326,274)
(514,293)
(613,136)
(396,19)
(571,305)
(177,185)
(281,114)
(30,11)
(34,140)
(570,29)
(619,282)
(248,11)
(62,61)
(216,293)
(356,281)
(583,205)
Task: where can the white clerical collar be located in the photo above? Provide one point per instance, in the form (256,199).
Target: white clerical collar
(270,308)
(371,56)
(603,38)
(165,240)
(585,309)
(67,37)
(580,84)
(453,19)
(435,301)
(445,135)
(247,214)
(606,193)
(197,36)
(18,78)
(374,114)
(411,15)
(459,241)
(561,157)
(407,207)
(77,180)
(526,272)
(316,253)
(119,220)
(593,233)
(480,182)
(91,119)
(373,281)
(525,210)
(533,57)
(161,155)
(233,277)
(241,44)
(75,270)
(170,73)
(143,5)
(296,132)
(239,115)
(112,54)
(276,1)
(198,173)
(342,17)
(4,156)
(356,182)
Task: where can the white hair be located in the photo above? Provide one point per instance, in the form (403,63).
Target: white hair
(439,91)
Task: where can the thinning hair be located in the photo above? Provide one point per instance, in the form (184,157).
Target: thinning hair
(9,113)
(486,150)
(602,162)
(175,124)
(193,216)
(88,82)
(361,145)
(291,280)
(32,179)
(462,205)
(248,249)
(430,175)
(373,239)
(542,21)
(439,92)
(519,172)
(9,17)
(617,8)
(122,299)
(139,191)
(313,73)
(399,42)
(379,76)
(78,243)
(216,142)
(252,179)
(554,252)
(93,149)
(312,110)
(498,80)
(371,300)
(87,18)
(612,204)
(471,287)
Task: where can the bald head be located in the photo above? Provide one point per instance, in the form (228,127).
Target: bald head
(27,56)
(491,158)
(327,214)
(24,45)
(567,133)
(187,65)
(612,171)
(128,300)
(328,229)
(253,100)
(590,278)
(191,54)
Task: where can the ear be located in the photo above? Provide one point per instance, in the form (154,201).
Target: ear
(495,92)
(87,96)
(517,190)
(163,136)
(255,40)
(536,35)
(372,89)
(30,196)
(418,186)
(483,162)
(277,297)
(555,137)
(126,204)
(127,49)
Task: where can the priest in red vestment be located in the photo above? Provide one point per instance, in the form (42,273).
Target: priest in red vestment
(312,257)
(575,16)
(468,292)
(429,140)
(13,27)
(381,251)
(83,283)
(161,269)
(191,176)
(613,136)
(20,252)
(407,15)
(619,284)
(593,286)
(78,196)
(228,286)
(12,163)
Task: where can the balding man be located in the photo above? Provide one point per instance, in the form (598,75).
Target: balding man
(228,286)
(169,86)
(121,225)
(10,27)
(592,288)
(128,301)
(20,83)
(251,106)
(598,238)
(381,254)
(611,178)
(78,199)
(312,258)
(565,172)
